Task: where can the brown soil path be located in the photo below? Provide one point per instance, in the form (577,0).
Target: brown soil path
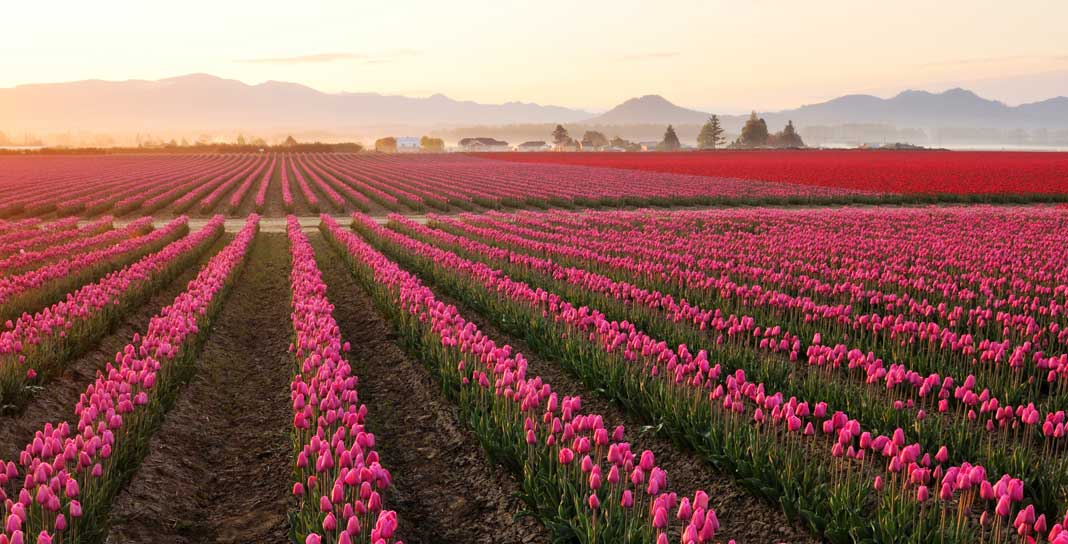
(218,468)
(743,516)
(55,401)
(444,489)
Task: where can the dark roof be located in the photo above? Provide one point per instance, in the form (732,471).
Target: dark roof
(538,143)
(481,141)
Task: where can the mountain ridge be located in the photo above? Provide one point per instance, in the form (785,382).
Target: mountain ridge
(203,102)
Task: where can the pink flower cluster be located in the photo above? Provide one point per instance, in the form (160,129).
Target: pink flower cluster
(28,342)
(13,286)
(695,376)
(610,480)
(92,236)
(68,471)
(339,476)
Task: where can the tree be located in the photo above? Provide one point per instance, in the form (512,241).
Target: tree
(671,140)
(625,145)
(789,137)
(290,141)
(755,132)
(711,135)
(560,135)
(386,145)
(431,145)
(241,139)
(593,139)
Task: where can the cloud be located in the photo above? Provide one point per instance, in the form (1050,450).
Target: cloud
(362,58)
(650,56)
(998,60)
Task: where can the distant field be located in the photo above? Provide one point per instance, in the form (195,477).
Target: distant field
(904,172)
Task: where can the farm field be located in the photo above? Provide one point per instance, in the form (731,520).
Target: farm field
(275,184)
(1039,175)
(745,374)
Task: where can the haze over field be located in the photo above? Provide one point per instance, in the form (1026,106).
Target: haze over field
(339,70)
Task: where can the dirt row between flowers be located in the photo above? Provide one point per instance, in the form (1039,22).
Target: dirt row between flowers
(218,469)
(55,400)
(444,488)
(743,516)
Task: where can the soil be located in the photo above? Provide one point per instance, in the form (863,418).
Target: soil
(218,470)
(55,402)
(445,490)
(743,516)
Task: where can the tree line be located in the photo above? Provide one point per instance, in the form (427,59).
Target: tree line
(754,134)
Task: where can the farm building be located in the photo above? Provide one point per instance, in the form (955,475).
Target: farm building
(484,144)
(537,145)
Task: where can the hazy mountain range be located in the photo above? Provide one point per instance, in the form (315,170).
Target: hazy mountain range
(915,109)
(206,103)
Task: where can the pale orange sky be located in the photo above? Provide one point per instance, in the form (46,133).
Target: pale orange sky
(720,56)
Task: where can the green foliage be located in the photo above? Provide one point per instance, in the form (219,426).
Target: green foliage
(560,135)
(755,132)
(670,141)
(711,135)
(386,145)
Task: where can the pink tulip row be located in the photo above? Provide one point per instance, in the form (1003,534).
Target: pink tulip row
(33,343)
(69,472)
(941,390)
(146,183)
(93,236)
(245,177)
(323,184)
(202,190)
(135,182)
(31,185)
(52,235)
(287,191)
(678,368)
(305,189)
(695,282)
(13,287)
(325,178)
(1001,290)
(36,233)
(605,478)
(22,224)
(157,192)
(261,191)
(339,476)
(967,409)
(335,167)
(503,180)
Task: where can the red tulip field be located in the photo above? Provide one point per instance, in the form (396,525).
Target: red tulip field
(614,348)
(1035,174)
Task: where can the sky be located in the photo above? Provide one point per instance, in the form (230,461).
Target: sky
(726,56)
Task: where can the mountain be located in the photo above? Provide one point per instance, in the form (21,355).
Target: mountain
(205,102)
(648,109)
(956,108)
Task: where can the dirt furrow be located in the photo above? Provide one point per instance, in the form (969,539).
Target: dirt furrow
(743,516)
(218,469)
(55,400)
(444,488)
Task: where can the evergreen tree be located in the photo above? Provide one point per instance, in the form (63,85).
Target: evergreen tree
(755,132)
(671,140)
(594,139)
(560,135)
(789,137)
(711,135)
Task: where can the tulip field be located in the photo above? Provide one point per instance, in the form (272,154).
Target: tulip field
(275,184)
(994,175)
(359,348)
